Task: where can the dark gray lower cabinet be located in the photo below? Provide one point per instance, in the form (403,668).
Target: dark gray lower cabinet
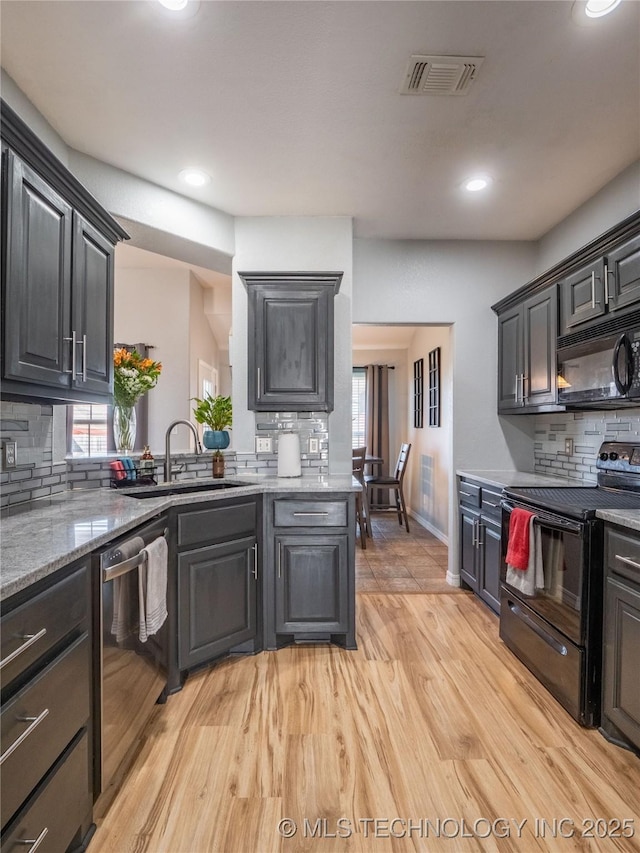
(217,591)
(311,584)
(218,582)
(481,541)
(45,718)
(310,569)
(621,679)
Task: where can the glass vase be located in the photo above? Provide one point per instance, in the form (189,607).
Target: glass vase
(124,428)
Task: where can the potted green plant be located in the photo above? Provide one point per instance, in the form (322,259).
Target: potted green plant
(215,413)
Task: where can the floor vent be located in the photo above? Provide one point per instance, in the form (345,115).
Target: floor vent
(440,75)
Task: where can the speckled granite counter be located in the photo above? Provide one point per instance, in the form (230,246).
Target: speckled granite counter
(504,478)
(49,533)
(624,517)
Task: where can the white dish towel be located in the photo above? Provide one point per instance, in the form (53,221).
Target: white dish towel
(152,588)
(124,616)
(532,578)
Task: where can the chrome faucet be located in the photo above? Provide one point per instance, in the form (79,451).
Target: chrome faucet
(167,446)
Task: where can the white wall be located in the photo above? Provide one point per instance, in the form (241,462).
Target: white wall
(202,344)
(21,105)
(430,478)
(617,200)
(152,306)
(454,282)
(295,244)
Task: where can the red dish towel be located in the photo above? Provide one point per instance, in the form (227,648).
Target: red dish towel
(518,545)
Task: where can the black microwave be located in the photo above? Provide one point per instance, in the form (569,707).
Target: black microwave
(603,371)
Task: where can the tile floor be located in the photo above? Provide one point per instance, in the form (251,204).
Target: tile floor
(397,561)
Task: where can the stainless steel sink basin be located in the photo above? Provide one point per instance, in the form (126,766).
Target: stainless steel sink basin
(163,490)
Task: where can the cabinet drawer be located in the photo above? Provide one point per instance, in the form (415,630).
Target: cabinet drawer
(623,552)
(58,809)
(30,630)
(47,713)
(297,513)
(216,523)
(490,505)
(470,493)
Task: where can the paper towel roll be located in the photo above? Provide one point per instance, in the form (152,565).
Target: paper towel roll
(289,455)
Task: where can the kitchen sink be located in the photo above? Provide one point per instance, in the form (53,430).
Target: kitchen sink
(163,489)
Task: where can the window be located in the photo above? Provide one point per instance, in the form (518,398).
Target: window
(434,387)
(87,430)
(358,407)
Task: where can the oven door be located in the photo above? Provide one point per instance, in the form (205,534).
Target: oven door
(562,601)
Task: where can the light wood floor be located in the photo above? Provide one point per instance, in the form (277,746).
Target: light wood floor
(432,719)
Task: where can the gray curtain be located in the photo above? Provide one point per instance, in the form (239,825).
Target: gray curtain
(377,422)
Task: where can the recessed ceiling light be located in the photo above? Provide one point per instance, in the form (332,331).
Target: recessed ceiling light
(479,182)
(598,8)
(174,5)
(194,177)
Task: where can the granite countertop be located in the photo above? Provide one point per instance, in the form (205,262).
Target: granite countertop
(624,517)
(47,534)
(504,478)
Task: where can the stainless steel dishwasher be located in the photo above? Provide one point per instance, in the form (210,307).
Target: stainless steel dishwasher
(130,676)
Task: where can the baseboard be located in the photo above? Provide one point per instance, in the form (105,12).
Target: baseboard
(453,580)
(428,526)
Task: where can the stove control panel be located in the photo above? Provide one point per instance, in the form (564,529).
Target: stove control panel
(618,456)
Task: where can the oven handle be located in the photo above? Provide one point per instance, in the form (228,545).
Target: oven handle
(545,521)
(548,639)
(129,565)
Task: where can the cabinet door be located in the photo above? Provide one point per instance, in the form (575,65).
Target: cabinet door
(37,282)
(510,359)
(92,318)
(540,321)
(623,275)
(490,553)
(621,689)
(291,349)
(217,600)
(311,583)
(582,295)
(468,550)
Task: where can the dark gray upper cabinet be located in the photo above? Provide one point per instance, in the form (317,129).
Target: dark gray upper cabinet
(623,275)
(57,277)
(583,296)
(290,337)
(527,335)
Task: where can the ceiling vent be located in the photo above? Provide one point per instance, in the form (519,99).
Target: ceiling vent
(440,75)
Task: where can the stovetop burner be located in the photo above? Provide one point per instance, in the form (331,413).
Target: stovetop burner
(580,502)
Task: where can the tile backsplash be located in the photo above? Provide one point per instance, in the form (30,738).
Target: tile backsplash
(587,430)
(36,475)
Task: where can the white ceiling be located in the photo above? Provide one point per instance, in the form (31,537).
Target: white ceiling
(293,107)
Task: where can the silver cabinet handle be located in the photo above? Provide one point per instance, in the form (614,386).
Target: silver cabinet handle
(480,531)
(593,288)
(466,494)
(628,561)
(34,842)
(516,390)
(255,562)
(35,721)
(74,344)
(488,503)
(30,639)
(279,560)
(474,540)
(83,344)
(257,383)
(313,514)
(524,379)
(606,284)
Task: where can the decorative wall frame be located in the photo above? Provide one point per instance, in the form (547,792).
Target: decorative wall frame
(418,393)
(434,387)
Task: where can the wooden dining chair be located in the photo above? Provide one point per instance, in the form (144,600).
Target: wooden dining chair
(362,504)
(395,482)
